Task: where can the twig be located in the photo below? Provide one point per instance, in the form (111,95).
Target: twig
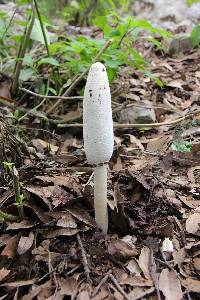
(76,80)
(51,97)
(102,282)
(127,105)
(115,282)
(84,258)
(137,125)
(152,269)
(36,107)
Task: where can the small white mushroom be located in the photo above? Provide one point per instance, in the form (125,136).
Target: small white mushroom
(98,136)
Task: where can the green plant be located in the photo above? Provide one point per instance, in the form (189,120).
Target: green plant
(183,146)
(190,2)
(195,36)
(82,12)
(19,197)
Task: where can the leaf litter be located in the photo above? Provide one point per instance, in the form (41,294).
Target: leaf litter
(56,251)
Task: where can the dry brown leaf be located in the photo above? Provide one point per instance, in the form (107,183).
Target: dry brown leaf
(41,145)
(4,273)
(68,286)
(193,224)
(179,256)
(40,192)
(63,231)
(84,295)
(136,281)
(196,263)
(82,215)
(191,284)
(143,261)
(121,250)
(133,267)
(21,225)
(44,218)
(67,221)
(67,181)
(18,283)
(25,243)
(170,285)
(11,245)
(139,293)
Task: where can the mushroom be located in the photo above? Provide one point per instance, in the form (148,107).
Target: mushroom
(98,136)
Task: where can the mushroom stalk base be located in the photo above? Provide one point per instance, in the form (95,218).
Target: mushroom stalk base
(100,197)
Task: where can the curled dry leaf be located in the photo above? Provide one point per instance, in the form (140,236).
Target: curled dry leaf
(193,224)
(121,250)
(25,243)
(170,285)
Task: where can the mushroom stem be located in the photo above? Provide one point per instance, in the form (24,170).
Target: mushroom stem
(100,197)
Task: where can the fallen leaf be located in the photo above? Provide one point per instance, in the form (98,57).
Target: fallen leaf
(191,284)
(121,250)
(193,223)
(44,218)
(4,273)
(133,267)
(136,281)
(67,221)
(11,245)
(68,286)
(25,243)
(66,181)
(18,283)
(25,224)
(82,215)
(143,261)
(196,263)
(170,285)
(41,145)
(139,293)
(63,231)
(83,296)
(179,256)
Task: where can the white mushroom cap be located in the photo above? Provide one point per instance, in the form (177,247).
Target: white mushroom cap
(97,116)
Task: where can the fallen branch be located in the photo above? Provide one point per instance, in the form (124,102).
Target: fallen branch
(50,97)
(84,257)
(137,125)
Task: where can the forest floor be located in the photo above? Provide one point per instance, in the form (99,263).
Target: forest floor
(152,249)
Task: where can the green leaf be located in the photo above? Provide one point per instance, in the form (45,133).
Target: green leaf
(28,60)
(181,146)
(36,33)
(195,35)
(26,74)
(49,60)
